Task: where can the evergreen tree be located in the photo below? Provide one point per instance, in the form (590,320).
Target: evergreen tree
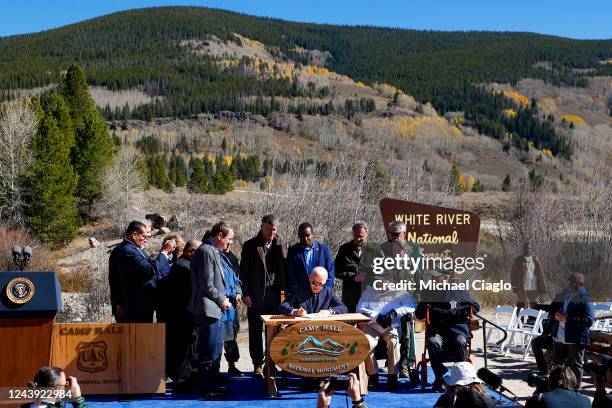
(536,180)
(455,181)
(94,147)
(76,94)
(52,214)
(477,187)
(507,184)
(198,179)
(181,171)
(93,151)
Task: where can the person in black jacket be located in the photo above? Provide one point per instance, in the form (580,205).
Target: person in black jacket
(263,270)
(601,399)
(573,314)
(449,312)
(354,261)
(176,291)
(319,298)
(139,274)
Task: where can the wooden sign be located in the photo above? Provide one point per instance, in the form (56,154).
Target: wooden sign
(441,232)
(319,348)
(127,358)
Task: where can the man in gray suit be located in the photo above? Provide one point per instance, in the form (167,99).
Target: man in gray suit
(209,305)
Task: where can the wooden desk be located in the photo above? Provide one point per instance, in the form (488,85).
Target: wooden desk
(273,324)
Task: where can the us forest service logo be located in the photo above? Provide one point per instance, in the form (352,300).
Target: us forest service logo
(319,348)
(92,356)
(20,291)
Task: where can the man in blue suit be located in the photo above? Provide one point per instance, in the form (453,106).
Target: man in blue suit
(317,298)
(138,274)
(304,256)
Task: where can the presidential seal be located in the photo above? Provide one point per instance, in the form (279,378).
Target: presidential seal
(20,290)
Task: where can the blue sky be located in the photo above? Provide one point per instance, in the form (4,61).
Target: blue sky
(584,20)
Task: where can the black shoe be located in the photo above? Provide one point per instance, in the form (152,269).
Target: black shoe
(373,381)
(221,380)
(414,379)
(232,371)
(391,384)
(404,372)
(214,395)
(437,386)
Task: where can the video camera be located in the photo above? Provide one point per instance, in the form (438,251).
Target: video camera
(597,370)
(539,382)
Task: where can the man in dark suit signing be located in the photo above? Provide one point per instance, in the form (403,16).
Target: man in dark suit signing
(208,305)
(318,298)
(137,274)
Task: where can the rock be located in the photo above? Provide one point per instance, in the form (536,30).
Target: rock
(93,243)
(173,224)
(164,231)
(157,221)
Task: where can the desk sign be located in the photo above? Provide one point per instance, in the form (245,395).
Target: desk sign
(319,348)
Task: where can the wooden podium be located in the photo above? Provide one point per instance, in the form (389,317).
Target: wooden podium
(29,302)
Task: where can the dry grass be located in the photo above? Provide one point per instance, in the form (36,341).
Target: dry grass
(42,259)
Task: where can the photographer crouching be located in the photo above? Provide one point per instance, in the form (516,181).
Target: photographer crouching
(602,373)
(560,392)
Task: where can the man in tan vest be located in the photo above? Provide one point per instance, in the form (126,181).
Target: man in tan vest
(527,278)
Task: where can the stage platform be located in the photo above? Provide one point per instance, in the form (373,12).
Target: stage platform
(246,392)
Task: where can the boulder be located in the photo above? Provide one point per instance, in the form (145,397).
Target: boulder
(157,221)
(93,243)
(173,223)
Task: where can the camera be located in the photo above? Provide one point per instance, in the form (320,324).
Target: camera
(595,369)
(539,382)
(335,383)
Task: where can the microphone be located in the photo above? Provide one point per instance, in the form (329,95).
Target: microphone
(16,253)
(493,380)
(27,253)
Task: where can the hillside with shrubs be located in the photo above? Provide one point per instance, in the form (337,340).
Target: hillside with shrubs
(203,114)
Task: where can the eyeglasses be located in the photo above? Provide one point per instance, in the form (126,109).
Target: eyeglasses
(315,283)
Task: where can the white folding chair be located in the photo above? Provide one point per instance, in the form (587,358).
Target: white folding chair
(526,329)
(505,317)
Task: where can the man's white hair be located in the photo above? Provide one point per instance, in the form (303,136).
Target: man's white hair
(321,271)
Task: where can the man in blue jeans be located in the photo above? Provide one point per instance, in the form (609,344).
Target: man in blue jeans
(208,304)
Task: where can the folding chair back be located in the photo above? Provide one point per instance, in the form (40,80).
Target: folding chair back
(526,328)
(504,316)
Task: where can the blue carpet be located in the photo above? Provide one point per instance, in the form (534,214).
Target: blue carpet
(247,392)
